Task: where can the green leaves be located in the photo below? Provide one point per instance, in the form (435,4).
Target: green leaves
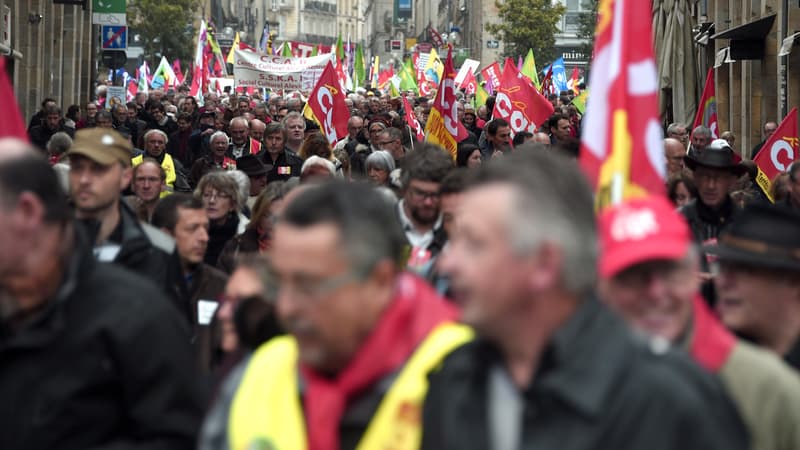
(165,27)
(528,24)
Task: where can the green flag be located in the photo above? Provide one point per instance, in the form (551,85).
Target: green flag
(529,69)
(358,67)
(339,49)
(286,51)
(580,101)
(480,97)
(408,79)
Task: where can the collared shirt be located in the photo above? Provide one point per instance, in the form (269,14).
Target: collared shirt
(416,238)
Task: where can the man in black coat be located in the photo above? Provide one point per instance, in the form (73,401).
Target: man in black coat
(52,123)
(100,168)
(92,355)
(552,367)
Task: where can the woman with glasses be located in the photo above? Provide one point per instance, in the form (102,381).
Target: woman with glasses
(223,203)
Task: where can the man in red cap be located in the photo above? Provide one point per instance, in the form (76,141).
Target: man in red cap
(647,275)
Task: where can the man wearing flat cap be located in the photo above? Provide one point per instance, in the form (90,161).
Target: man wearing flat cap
(758,279)
(100,168)
(256,170)
(715,170)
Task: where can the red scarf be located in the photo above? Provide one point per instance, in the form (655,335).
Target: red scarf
(712,343)
(414,311)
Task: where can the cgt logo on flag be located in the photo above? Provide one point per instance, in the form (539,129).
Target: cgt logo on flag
(323,100)
(778,153)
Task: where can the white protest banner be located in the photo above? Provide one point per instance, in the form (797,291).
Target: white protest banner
(274,72)
(469,65)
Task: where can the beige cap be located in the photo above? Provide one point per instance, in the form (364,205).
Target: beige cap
(102,145)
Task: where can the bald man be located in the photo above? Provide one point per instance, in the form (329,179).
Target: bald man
(673,156)
(257,128)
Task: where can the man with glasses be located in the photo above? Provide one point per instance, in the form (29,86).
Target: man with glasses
(648,276)
(769,130)
(362,336)
(758,278)
(678,132)
(419,209)
(391,140)
(715,171)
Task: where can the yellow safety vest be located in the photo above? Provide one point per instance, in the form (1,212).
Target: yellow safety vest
(169,168)
(266,412)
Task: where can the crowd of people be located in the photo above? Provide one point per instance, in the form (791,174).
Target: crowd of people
(217,275)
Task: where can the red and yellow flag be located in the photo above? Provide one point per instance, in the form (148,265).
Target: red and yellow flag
(622,146)
(778,153)
(443,127)
(327,97)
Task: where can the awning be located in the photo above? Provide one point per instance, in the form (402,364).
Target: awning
(747,40)
(757,29)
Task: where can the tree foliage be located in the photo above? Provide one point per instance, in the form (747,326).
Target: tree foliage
(586,25)
(528,24)
(165,27)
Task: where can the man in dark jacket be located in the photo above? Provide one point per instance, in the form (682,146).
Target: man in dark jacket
(552,367)
(100,168)
(93,356)
(184,218)
(52,123)
(285,163)
(715,171)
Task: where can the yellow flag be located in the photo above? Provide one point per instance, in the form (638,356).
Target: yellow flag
(235,45)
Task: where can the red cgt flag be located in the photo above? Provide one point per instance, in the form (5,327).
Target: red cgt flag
(443,127)
(780,150)
(11,123)
(519,103)
(622,148)
(707,109)
(327,97)
(412,121)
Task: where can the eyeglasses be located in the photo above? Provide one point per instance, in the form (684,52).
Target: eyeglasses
(214,195)
(376,130)
(419,194)
(387,142)
(308,288)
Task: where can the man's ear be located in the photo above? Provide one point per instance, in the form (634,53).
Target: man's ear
(28,212)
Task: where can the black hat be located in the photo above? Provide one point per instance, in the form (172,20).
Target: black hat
(718,155)
(762,235)
(252,166)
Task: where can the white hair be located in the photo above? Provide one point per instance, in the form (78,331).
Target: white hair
(216,135)
(315,160)
(243,181)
